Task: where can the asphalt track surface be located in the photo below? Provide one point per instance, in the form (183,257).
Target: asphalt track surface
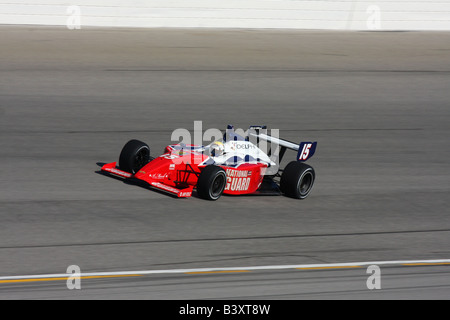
(378,103)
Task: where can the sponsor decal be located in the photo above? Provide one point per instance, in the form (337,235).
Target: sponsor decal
(238,173)
(245,146)
(171,189)
(237,184)
(242,146)
(159,176)
(119,172)
(185,194)
(238,180)
(164,187)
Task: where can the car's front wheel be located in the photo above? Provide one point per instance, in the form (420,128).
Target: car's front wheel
(135,154)
(211,182)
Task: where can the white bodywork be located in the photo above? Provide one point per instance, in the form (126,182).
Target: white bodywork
(242,151)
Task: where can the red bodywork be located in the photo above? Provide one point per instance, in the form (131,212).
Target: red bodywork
(176,172)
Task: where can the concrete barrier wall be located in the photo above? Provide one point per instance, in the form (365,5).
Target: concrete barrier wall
(293,14)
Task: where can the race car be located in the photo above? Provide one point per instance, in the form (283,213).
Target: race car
(232,165)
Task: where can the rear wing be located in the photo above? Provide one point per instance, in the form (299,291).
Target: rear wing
(305,150)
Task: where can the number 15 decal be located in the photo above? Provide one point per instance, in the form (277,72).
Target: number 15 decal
(306,150)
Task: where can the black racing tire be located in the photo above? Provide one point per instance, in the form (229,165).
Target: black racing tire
(211,182)
(297,180)
(135,154)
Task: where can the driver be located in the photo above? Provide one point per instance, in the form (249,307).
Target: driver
(216,149)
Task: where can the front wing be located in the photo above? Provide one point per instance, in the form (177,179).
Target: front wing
(111,168)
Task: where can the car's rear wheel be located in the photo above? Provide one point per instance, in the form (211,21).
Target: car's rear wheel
(135,154)
(211,182)
(297,180)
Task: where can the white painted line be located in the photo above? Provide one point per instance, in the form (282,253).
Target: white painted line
(252,268)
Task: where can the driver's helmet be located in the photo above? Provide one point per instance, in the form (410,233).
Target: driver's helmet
(216,149)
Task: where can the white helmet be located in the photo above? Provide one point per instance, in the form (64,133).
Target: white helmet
(216,149)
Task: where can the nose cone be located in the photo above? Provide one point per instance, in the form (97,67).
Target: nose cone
(141,174)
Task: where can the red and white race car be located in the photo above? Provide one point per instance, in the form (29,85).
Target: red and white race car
(233,165)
